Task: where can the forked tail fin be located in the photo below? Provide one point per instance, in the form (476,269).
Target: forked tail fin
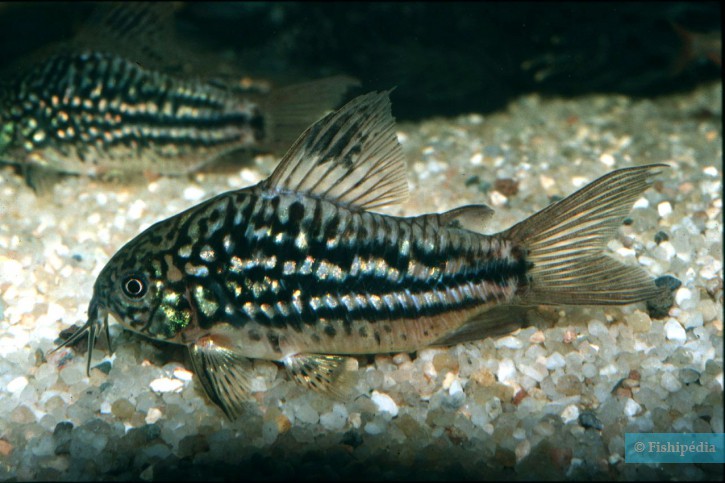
(565,241)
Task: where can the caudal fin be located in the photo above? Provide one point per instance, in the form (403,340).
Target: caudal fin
(565,243)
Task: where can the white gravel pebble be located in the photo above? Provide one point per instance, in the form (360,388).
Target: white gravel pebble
(570,413)
(374,428)
(509,342)
(670,382)
(193,193)
(555,361)
(664,209)
(17,385)
(631,408)
(166,384)
(153,415)
(455,388)
(384,403)
(675,331)
(682,295)
(506,370)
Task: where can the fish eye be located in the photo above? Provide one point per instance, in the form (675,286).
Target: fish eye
(134,286)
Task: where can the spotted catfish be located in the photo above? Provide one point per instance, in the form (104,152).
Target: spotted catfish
(91,108)
(298,269)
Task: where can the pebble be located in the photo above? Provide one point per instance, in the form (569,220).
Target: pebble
(664,209)
(72,374)
(384,403)
(122,408)
(669,381)
(639,321)
(445,362)
(688,376)
(555,361)
(336,419)
(153,415)
(506,370)
(522,450)
(589,370)
(10,270)
(587,419)
(166,384)
(455,388)
(682,295)
(183,374)
(570,413)
(17,385)
(509,342)
(5,447)
(374,428)
(631,408)
(675,331)
(193,193)
(306,413)
(598,329)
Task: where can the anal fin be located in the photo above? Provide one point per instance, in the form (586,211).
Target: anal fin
(328,374)
(40,179)
(497,321)
(223,373)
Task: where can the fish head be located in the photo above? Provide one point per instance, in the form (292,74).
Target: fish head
(136,288)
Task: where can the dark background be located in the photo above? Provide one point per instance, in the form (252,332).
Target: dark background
(445,58)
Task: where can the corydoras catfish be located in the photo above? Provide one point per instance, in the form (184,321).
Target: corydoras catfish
(91,108)
(298,269)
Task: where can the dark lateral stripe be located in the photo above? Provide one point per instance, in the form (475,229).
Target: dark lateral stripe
(261,214)
(216,119)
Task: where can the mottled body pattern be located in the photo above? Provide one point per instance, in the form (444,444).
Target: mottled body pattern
(95,113)
(297,269)
(92,111)
(308,273)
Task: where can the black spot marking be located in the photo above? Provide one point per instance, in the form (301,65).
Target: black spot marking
(387,328)
(255,336)
(330,331)
(273,341)
(376,334)
(296,212)
(331,228)
(315,338)
(363,332)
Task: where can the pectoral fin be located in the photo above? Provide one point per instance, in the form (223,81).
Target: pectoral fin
(323,373)
(223,373)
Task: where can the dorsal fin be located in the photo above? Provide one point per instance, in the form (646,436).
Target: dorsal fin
(469,217)
(351,156)
(142,32)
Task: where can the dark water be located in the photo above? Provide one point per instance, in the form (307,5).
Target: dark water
(445,58)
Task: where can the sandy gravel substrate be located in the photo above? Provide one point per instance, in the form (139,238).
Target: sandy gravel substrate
(549,401)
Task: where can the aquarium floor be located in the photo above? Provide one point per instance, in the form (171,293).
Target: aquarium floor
(553,400)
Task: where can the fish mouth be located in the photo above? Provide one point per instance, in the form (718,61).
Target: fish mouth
(97,316)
